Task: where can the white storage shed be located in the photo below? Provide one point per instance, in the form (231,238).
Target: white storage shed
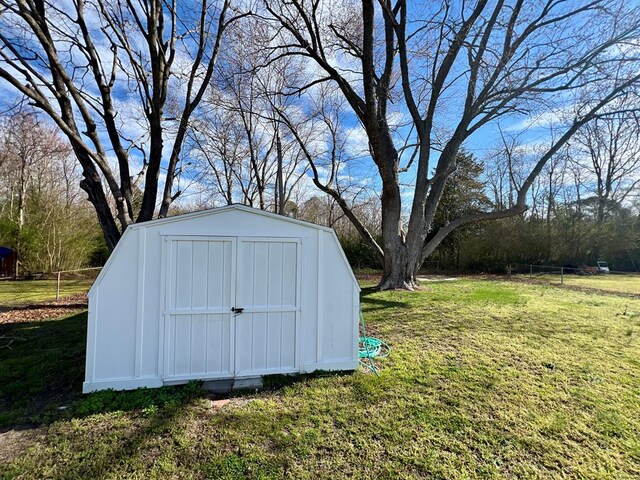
(225,293)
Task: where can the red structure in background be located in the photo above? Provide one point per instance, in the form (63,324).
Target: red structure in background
(8,259)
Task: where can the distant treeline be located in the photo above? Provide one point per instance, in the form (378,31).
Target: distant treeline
(571,240)
(583,208)
(44,214)
(574,219)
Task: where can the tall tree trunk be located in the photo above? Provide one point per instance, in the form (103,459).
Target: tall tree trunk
(400,267)
(22,196)
(153,170)
(22,193)
(600,214)
(399,270)
(280,186)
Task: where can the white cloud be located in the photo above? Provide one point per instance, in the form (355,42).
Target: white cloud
(544,119)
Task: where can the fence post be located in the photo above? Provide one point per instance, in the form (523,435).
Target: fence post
(58,288)
(530,271)
(561,275)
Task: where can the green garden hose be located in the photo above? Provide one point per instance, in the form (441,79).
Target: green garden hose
(370,348)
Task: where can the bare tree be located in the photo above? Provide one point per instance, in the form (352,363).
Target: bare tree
(323,139)
(607,151)
(26,146)
(324,210)
(42,215)
(236,136)
(106,72)
(456,67)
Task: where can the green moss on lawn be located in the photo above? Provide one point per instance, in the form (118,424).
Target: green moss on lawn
(486,380)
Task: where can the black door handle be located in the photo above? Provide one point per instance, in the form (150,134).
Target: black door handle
(237,310)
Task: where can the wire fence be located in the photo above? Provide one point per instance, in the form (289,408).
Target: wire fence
(55,287)
(591,277)
(537,271)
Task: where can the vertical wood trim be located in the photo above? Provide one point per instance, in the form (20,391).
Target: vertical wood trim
(356,321)
(233,288)
(92,335)
(298,357)
(140,298)
(164,318)
(320,297)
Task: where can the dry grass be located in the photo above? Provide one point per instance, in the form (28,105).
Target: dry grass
(615,283)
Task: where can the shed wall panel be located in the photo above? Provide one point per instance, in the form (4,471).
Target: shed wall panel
(115,332)
(337,330)
(153,304)
(134,324)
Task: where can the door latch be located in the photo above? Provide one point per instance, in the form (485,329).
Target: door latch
(237,310)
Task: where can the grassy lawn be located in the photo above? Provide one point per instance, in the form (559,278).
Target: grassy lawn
(628,283)
(487,379)
(23,292)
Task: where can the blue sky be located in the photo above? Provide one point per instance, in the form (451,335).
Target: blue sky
(531,129)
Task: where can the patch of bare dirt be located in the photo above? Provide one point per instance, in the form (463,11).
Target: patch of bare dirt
(14,442)
(373,277)
(219,403)
(32,313)
(436,278)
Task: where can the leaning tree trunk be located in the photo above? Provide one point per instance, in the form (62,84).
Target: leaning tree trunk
(92,186)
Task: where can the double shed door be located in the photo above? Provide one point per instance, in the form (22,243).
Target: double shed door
(206,279)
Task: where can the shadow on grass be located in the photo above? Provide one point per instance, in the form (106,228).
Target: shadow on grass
(278,382)
(41,373)
(376,303)
(42,370)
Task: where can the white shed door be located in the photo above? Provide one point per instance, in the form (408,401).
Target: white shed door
(199,296)
(268,293)
(203,337)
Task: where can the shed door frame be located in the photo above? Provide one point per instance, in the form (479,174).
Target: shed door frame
(297,310)
(167,278)
(166,281)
